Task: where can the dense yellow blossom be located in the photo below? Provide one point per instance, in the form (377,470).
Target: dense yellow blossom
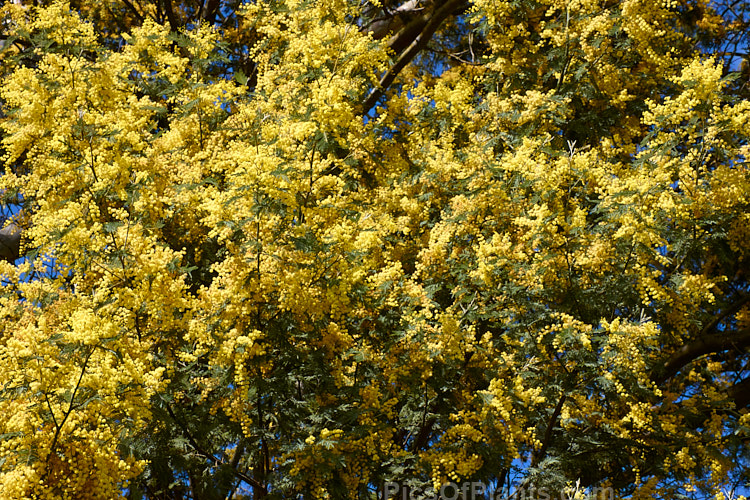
(294,248)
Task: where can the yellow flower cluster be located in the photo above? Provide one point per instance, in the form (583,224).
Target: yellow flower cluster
(469,251)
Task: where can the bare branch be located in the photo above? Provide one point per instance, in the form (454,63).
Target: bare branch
(538,457)
(740,393)
(10,242)
(706,344)
(393,21)
(168,8)
(414,38)
(730,311)
(134,10)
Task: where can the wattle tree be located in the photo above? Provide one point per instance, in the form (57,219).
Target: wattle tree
(370,249)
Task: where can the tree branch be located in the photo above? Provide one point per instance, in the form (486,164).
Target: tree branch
(208,13)
(391,21)
(173,26)
(132,8)
(199,449)
(706,344)
(731,310)
(548,432)
(740,393)
(10,243)
(414,37)
(71,406)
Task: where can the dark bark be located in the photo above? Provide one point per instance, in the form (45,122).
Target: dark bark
(10,243)
(706,344)
(411,40)
(538,457)
(171,18)
(740,394)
